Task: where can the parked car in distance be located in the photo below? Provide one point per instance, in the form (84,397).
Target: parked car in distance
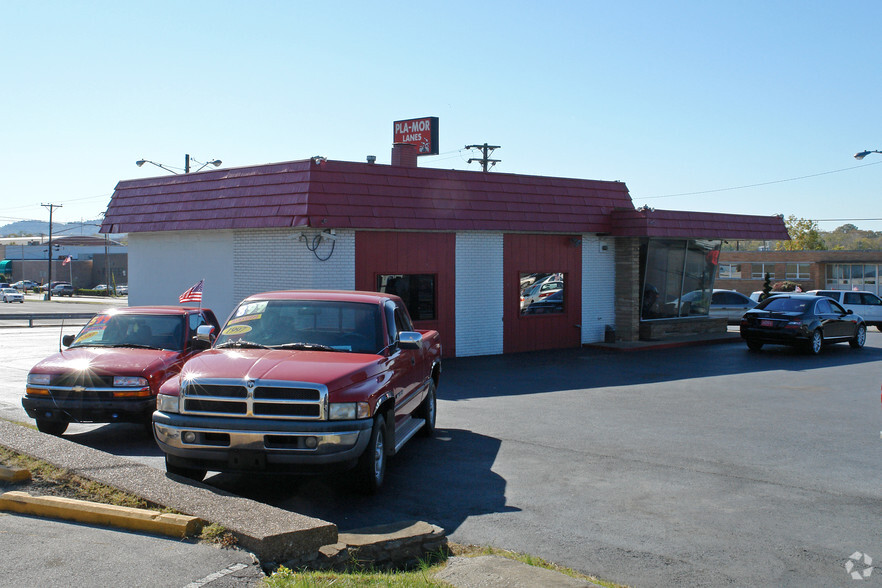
(63,290)
(25,285)
(755,296)
(11,295)
(100,288)
(727,304)
(122,290)
(866,304)
(112,369)
(802,320)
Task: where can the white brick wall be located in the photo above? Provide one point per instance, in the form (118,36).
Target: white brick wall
(479,293)
(598,287)
(278,259)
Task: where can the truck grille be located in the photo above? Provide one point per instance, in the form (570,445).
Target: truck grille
(268,399)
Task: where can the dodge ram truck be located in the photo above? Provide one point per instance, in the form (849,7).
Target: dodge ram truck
(113,368)
(302,382)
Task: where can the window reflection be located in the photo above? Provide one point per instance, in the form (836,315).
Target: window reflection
(678,277)
(542,293)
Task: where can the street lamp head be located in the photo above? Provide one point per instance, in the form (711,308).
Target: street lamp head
(861,155)
(141,162)
(216,162)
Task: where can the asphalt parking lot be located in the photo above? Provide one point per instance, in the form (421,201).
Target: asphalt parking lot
(704,465)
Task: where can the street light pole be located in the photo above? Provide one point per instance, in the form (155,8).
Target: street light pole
(187,159)
(861,154)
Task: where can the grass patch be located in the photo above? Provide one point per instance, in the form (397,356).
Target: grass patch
(419,578)
(52,480)
(217,535)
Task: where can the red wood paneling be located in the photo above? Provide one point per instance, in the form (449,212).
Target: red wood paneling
(542,253)
(384,252)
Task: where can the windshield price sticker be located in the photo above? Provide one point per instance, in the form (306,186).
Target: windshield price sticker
(236,330)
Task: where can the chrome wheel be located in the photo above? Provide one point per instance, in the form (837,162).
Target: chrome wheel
(371,468)
(859,338)
(816,342)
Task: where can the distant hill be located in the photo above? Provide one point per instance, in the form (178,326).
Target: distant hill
(36,227)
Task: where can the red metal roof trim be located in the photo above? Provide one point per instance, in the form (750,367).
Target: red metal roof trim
(697,225)
(337,194)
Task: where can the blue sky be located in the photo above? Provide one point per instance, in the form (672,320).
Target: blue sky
(683,101)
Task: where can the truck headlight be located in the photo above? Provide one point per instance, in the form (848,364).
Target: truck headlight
(129,382)
(340,411)
(39,379)
(168,403)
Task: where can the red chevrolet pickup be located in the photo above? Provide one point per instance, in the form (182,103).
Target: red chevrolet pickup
(114,366)
(301,381)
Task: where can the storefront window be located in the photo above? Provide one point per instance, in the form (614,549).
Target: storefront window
(416,290)
(542,293)
(730,271)
(678,278)
(845,276)
(797,271)
(758,271)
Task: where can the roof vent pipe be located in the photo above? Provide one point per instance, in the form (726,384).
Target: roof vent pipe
(404,155)
(372,159)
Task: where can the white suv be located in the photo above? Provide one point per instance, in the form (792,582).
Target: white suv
(865,304)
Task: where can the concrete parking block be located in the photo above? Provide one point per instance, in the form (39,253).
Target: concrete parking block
(93,513)
(14,474)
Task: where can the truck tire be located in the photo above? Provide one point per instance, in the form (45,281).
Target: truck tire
(371,468)
(185,472)
(427,411)
(56,428)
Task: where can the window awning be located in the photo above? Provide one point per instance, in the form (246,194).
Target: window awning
(6,266)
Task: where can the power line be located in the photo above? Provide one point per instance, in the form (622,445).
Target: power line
(834,171)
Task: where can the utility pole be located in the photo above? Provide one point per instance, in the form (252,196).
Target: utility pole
(487,151)
(51,207)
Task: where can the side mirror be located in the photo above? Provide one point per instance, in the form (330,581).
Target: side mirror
(849,311)
(409,340)
(67,340)
(205,333)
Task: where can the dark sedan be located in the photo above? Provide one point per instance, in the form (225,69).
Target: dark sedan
(801,320)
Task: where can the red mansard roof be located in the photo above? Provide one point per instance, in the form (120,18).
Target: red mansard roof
(645,222)
(337,194)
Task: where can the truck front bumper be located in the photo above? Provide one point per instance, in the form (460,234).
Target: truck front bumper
(230,444)
(86,410)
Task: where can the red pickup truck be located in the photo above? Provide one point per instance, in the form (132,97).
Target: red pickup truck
(302,381)
(113,368)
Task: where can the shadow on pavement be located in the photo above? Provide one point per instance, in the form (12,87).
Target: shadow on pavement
(578,369)
(442,480)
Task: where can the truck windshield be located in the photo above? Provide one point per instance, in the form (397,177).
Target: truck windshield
(133,330)
(305,324)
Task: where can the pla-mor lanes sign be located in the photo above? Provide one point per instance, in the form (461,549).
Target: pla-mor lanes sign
(422,132)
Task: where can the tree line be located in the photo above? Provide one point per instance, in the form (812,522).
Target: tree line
(805,235)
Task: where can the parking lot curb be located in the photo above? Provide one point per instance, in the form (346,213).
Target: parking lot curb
(14,474)
(270,533)
(93,513)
